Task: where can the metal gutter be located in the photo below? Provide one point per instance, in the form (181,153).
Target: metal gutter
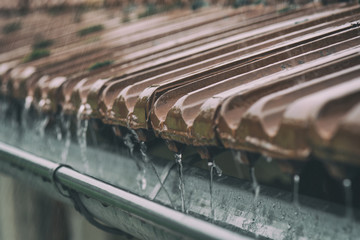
(171,222)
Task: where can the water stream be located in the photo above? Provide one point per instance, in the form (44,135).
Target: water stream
(348,199)
(41,125)
(82,127)
(140,178)
(237,155)
(255,185)
(65,152)
(296,190)
(25,112)
(143,150)
(129,144)
(178,160)
(213,167)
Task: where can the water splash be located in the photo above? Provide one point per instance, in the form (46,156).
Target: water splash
(212,165)
(178,160)
(296,190)
(82,127)
(65,152)
(255,185)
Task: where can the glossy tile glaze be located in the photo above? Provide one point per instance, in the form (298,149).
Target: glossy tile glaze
(285,85)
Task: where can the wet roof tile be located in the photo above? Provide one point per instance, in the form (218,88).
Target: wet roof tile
(285,85)
(191,109)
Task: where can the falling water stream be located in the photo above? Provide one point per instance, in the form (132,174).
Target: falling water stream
(58,132)
(82,127)
(129,144)
(41,126)
(255,185)
(143,150)
(140,178)
(237,156)
(348,199)
(65,151)
(25,111)
(296,190)
(178,160)
(213,167)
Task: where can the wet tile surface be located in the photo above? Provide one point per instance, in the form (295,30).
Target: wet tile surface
(284,85)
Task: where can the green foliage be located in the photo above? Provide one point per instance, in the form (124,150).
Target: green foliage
(79,10)
(43,44)
(11,27)
(126,19)
(153,9)
(37,54)
(100,65)
(57,9)
(89,30)
(257,2)
(197,4)
(240,3)
(286,9)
